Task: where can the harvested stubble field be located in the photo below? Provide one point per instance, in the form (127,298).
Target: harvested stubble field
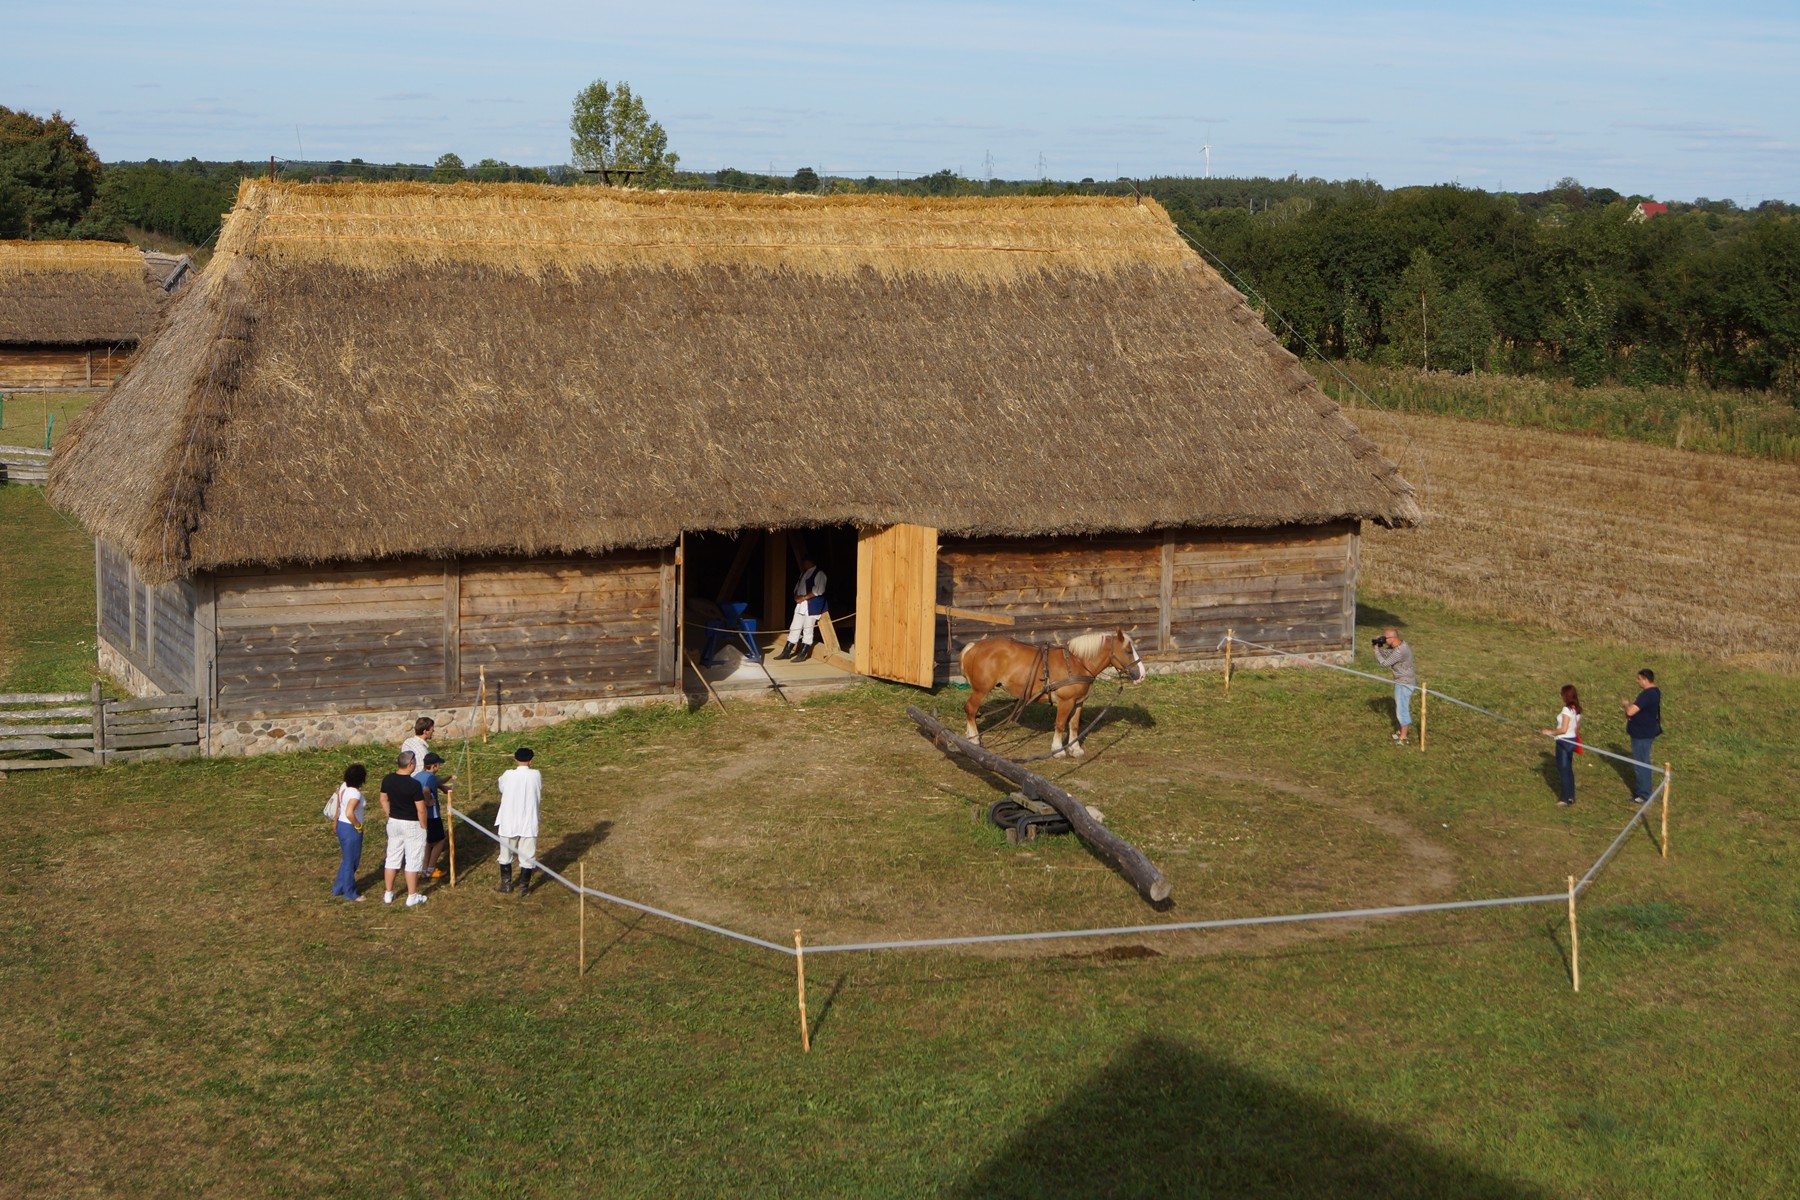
(1618,539)
(189,1015)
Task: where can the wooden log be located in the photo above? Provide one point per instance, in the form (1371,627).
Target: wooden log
(1574,940)
(1116,852)
(970,614)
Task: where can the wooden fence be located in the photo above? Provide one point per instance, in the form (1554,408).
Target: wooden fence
(71,729)
(22,464)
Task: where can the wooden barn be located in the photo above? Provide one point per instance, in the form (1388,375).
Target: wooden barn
(71,313)
(398,437)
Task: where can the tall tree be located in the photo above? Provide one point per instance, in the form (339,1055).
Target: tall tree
(1413,319)
(48,175)
(611,129)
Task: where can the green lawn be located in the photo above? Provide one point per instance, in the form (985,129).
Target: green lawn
(187,1013)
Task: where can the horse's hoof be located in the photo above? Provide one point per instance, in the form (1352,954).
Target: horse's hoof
(1059,754)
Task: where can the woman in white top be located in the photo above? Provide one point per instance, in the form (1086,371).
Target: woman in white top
(1568,739)
(346,811)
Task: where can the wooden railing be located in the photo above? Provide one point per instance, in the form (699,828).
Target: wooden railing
(22,464)
(39,730)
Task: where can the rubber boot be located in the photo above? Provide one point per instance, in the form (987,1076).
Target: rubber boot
(787,652)
(805,652)
(505,878)
(525,879)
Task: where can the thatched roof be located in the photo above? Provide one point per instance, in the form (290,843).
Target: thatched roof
(374,370)
(79,293)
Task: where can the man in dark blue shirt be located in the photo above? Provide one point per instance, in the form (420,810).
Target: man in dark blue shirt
(1643,725)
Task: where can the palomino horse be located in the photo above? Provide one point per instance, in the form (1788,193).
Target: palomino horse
(1060,673)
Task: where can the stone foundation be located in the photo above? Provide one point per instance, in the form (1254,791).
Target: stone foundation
(113,663)
(266,735)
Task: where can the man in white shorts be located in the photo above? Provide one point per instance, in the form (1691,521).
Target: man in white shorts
(521,790)
(403,800)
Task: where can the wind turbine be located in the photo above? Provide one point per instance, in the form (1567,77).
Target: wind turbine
(1207,150)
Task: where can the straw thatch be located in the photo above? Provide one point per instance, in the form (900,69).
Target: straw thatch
(77,293)
(375,370)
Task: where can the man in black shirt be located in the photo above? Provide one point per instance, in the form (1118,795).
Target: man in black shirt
(403,800)
(1643,725)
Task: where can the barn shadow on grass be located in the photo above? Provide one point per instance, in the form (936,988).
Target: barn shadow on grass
(1163,1120)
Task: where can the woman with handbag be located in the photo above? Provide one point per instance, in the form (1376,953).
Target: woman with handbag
(345,808)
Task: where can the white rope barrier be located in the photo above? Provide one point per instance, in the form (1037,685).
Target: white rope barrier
(1486,712)
(1112,931)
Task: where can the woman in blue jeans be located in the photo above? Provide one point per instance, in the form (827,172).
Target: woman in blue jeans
(1568,739)
(346,809)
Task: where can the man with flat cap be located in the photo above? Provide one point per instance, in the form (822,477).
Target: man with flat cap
(521,791)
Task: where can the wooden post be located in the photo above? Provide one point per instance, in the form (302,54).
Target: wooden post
(1228,639)
(481,702)
(450,823)
(1668,785)
(1424,712)
(800,971)
(98,706)
(581,907)
(1574,939)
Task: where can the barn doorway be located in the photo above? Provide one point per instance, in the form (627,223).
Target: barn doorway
(758,569)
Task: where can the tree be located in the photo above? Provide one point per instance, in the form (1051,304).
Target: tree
(448,169)
(611,129)
(48,175)
(805,180)
(1465,336)
(1414,312)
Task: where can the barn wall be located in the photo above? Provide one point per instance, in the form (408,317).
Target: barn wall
(417,633)
(1178,592)
(150,629)
(28,368)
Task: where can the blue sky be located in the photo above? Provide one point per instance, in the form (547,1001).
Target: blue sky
(1674,100)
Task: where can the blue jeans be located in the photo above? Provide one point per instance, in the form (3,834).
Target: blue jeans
(1403,693)
(350,842)
(1565,767)
(1646,778)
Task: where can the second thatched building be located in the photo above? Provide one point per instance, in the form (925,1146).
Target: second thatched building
(399,437)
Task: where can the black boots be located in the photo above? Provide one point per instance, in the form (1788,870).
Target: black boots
(787,651)
(525,879)
(505,878)
(804,653)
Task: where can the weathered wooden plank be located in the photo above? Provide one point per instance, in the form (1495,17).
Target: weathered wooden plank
(139,722)
(256,594)
(8,729)
(452,617)
(37,714)
(15,744)
(155,753)
(41,697)
(149,702)
(560,634)
(138,741)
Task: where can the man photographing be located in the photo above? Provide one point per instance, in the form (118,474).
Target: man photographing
(1397,657)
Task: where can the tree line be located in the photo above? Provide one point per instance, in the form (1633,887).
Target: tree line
(1573,282)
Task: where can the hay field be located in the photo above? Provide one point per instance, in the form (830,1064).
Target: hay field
(1620,540)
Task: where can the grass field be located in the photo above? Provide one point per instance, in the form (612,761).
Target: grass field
(1748,424)
(23,416)
(188,1014)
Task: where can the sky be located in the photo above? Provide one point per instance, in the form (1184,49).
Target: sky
(1672,100)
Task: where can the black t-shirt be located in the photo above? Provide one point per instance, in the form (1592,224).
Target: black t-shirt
(1648,721)
(404,796)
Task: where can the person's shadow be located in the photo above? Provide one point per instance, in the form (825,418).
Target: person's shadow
(566,853)
(1552,777)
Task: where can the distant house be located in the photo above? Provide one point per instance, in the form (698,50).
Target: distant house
(1647,209)
(71,313)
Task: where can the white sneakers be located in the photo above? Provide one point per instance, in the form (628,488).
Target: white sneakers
(416,898)
(387,897)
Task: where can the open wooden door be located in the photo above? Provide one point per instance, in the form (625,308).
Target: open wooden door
(896,602)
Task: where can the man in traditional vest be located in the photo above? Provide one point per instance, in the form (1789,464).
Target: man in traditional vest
(809,604)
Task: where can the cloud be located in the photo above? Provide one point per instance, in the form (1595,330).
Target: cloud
(400,97)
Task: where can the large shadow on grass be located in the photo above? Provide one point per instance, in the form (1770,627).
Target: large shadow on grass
(1161,1120)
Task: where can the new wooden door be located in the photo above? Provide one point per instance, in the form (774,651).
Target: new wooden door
(896,602)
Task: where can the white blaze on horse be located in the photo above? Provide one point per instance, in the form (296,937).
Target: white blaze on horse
(1062,674)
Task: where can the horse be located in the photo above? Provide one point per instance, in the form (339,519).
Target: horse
(1063,674)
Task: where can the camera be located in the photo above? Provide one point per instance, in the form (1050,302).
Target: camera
(1380,641)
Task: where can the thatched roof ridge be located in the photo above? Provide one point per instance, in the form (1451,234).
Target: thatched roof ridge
(375,370)
(76,293)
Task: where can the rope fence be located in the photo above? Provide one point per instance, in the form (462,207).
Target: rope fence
(798,950)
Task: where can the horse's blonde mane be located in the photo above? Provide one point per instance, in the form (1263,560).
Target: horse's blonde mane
(1088,644)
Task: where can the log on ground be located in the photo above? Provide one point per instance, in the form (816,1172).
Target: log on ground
(1115,851)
